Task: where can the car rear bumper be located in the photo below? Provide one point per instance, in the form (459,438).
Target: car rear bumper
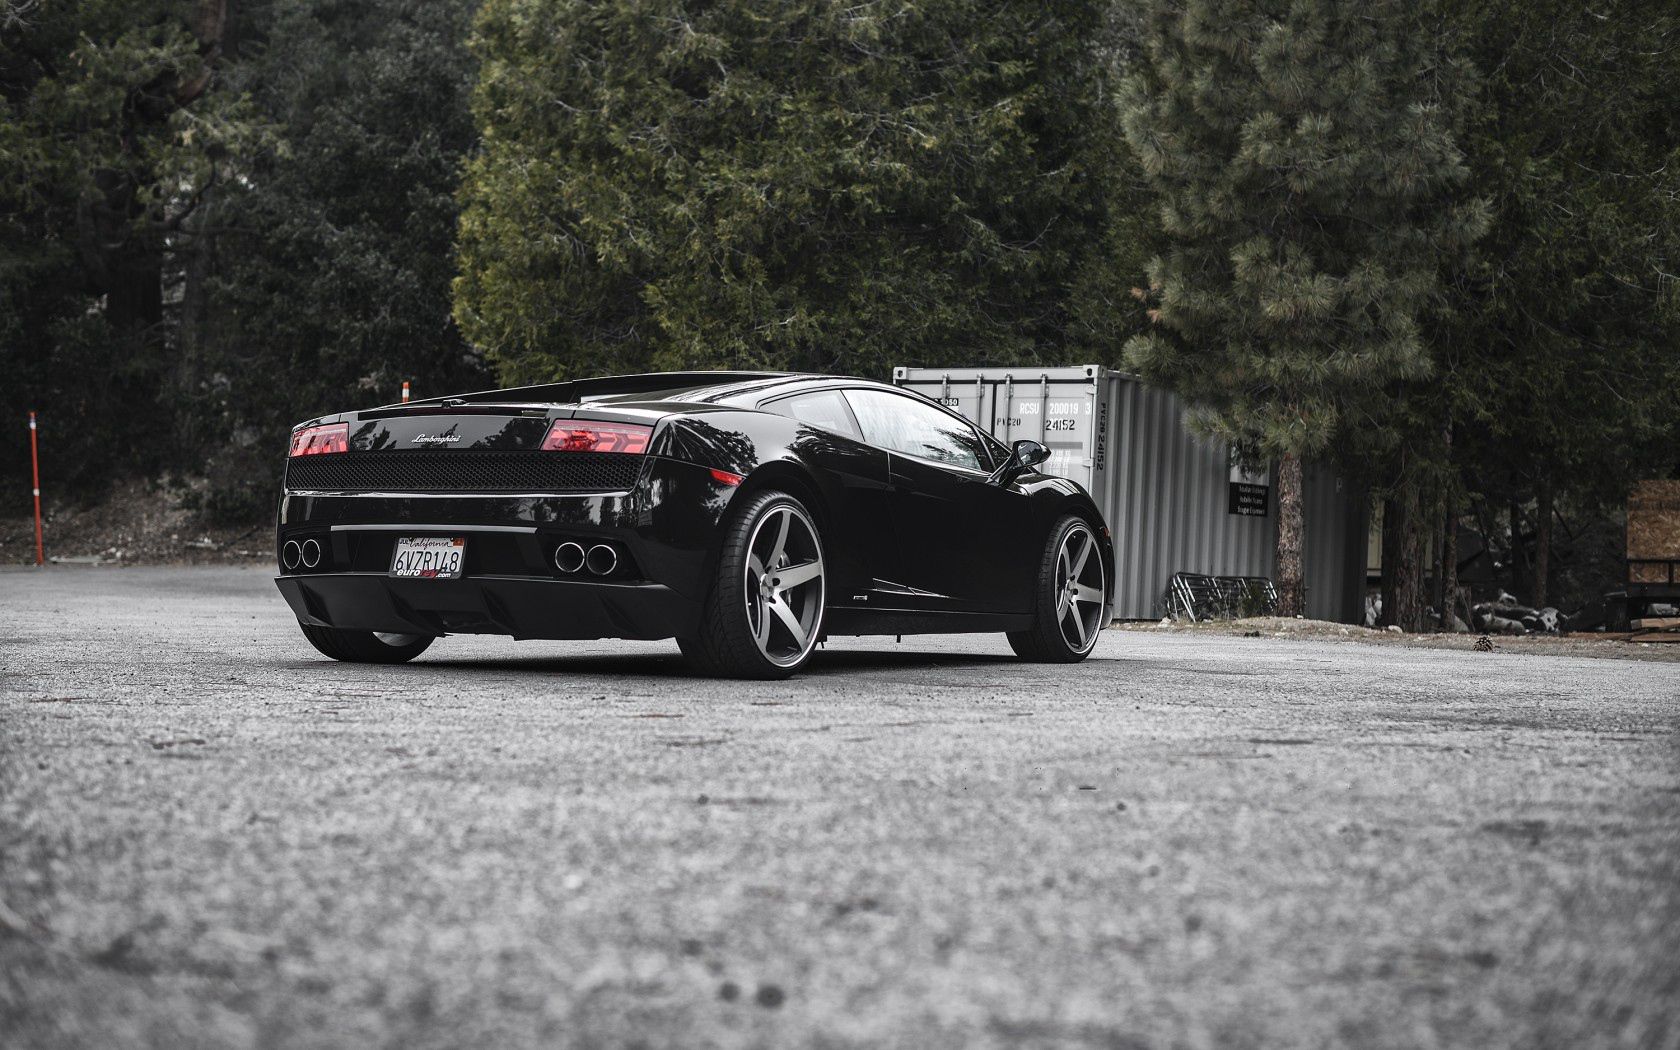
(662,535)
(521,607)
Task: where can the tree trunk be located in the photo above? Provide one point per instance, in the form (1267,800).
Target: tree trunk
(1291,590)
(1519,553)
(1542,542)
(1408,588)
(1438,596)
(1448,583)
(134,300)
(1449,562)
(1390,561)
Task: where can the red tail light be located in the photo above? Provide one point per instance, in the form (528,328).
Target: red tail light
(334,437)
(568,435)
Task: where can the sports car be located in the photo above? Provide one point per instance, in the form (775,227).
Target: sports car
(747,515)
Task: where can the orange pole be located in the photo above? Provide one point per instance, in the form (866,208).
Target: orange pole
(35,469)
(405,390)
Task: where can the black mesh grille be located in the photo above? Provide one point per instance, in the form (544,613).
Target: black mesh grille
(463,472)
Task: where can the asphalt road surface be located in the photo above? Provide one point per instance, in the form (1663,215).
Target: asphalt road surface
(209,836)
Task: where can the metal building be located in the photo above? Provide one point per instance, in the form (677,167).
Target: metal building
(1175,502)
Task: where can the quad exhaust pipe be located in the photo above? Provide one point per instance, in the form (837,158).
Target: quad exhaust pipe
(602,560)
(569,557)
(295,555)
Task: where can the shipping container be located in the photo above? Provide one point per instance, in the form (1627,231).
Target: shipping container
(1175,502)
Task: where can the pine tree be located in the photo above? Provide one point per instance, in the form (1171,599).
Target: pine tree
(1564,342)
(808,184)
(326,279)
(1305,174)
(115,128)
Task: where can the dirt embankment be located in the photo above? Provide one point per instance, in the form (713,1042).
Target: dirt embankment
(139,523)
(1611,646)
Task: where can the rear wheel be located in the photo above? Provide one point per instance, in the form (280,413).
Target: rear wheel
(366,647)
(764,613)
(1072,594)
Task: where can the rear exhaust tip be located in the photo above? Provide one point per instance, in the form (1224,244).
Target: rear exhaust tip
(311,554)
(290,553)
(569,557)
(602,559)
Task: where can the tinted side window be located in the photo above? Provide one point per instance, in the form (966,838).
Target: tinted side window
(825,409)
(901,424)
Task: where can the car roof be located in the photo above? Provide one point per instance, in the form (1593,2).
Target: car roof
(740,389)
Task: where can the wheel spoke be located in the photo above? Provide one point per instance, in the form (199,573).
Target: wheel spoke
(1063,600)
(1084,556)
(785,614)
(755,566)
(780,547)
(797,575)
(1078,623)
(1085,593)
(762,634)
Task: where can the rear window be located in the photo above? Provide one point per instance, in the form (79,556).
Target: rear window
(825,409)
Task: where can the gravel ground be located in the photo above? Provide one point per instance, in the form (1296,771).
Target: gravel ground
(211,837)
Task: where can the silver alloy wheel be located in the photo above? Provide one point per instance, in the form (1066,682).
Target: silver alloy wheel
(1080,589)
(397,640)
(784,589)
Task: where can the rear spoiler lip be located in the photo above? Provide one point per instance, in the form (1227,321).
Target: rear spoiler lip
(426,408)
(571,391)
(620,412)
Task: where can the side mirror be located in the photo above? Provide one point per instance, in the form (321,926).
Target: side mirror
(1023,457)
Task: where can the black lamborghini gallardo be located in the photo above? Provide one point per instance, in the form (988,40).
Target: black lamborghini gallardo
(746,515)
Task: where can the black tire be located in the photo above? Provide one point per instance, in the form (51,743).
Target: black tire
(742,632)
(365,647)
(1053,637)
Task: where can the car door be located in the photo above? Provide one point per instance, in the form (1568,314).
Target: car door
(962,541)
(861,550)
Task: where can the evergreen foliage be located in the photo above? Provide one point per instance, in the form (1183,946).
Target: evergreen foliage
(803,184)
(328,278)
(214,225)
(1305,169)
(113,131)
(1309,189)
(1563,345)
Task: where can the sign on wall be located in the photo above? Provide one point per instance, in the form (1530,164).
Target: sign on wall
(1250,491)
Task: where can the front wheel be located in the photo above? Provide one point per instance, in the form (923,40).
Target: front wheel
(365,647)
(764,613)
(1071,597)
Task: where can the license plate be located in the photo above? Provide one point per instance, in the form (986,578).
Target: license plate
(429,557)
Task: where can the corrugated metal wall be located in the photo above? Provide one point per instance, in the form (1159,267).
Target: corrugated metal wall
(1164,491)
(1169,511)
